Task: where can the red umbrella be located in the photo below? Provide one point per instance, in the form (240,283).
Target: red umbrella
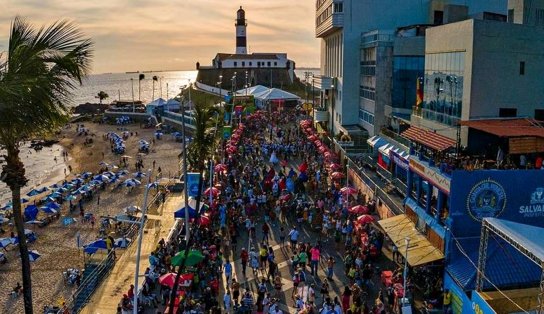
(359,210)
(334,166)
(326,153)
(285,197)
(213,190)
(169,279)
(204,220)
(303,167)
(220,167)
(348,190)
(312,137)
(322,149)
(365,219)
(337,175)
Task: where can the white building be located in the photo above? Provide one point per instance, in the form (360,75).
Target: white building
(480,69)
(341,23)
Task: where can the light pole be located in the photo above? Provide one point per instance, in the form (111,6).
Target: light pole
(185,192)
(140,236)
(132,83)
(404,299)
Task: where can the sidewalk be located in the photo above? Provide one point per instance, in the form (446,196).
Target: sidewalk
(107,297)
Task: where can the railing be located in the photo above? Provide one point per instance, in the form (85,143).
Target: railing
(395,207)
(396,137)
(211,89)
(177,117)
(83,294)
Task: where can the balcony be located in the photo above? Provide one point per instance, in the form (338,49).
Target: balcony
(329,17)
(322,83)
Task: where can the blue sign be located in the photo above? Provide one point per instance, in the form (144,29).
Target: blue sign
(399,160)
(515,195)
(192,184)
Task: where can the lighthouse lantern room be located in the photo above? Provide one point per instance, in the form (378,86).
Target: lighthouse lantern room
(241,40)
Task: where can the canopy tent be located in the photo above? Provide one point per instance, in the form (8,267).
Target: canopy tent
(253,90)
(420,250)
(172,105)
(429,138)
(274,95)
(376,141)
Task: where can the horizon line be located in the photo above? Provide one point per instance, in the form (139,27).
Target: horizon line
(158,71)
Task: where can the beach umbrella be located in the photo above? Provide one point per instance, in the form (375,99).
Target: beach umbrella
(124,171)
(54,186)
(92,247)
(33,192)
(169,279)
(322,149)
(139,174)
(48,210)
(61,190)
(334,166)
(70,198)
(358,210)
(312,137)
(54,195)
(34,222)
(132,209)
(365,219)
(87,175)
(180,213)
(220,168)
(3,220)
(129,183)
(53,205)
(4,242)
(43,189)
(103,163)
(122,242)
(101,177)
(348,190)
(33,255)
(193,257)
(24,200)
(213,191)
(337,175)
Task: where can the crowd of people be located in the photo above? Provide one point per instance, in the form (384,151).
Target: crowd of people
(275,186)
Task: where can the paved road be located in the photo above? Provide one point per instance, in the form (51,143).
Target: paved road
(107,297)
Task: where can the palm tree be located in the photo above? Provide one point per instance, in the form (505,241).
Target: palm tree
(101,96)
(201,149)
(37,75)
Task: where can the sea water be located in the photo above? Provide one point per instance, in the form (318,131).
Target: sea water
(41,169)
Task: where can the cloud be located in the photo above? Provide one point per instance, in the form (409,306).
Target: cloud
(144,35)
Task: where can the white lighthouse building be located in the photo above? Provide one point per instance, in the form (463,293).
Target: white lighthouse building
(241,25)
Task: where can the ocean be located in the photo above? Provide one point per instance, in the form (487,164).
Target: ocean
(120,86)
(42,169)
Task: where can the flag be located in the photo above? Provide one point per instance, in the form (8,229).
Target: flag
(419,92)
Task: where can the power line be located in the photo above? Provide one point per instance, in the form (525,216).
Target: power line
(462,251)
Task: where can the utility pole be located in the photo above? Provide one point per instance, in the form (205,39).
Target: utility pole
(132,82)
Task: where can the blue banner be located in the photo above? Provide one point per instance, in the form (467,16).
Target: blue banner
(192,184)
(515,195)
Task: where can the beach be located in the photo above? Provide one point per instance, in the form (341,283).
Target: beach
(57,243)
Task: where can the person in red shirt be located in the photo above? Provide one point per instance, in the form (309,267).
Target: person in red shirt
(130,292)
(538,162)
(244,258)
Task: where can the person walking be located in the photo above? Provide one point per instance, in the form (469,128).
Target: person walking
(227,301)
(315,257)
(293,238)
(330,267)
(228,271)
(266,232)
(244,258)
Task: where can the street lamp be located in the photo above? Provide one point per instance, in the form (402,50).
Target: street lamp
(140,236)
(404,300)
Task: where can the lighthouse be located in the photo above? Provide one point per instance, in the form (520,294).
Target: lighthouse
(241,41)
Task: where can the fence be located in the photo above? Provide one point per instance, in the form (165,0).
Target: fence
(94,274)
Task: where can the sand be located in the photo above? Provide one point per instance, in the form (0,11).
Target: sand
(57,243)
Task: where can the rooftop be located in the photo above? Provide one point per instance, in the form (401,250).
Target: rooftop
(508,127)
(234,56)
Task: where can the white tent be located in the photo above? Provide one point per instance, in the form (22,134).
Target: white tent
(276,94)
(253,90)
(149,108)
(172,105)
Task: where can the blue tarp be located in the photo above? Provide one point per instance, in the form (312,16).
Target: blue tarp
(506,267)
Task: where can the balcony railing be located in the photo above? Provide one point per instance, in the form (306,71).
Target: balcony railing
(332,23)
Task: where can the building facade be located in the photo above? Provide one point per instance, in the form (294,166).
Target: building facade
(342,24)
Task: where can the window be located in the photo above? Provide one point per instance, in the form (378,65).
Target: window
(522,68)
(243,63)
(268,63)
(275,63)
(338,7)
(539,114)
(250,63)
(235,63)
(508,112)
(438,17)
(511,16)
(366,116)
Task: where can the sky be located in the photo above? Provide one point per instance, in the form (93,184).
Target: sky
(144,35)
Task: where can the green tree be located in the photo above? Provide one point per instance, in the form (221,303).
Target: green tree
(201,149)
(101,96)
(37,76)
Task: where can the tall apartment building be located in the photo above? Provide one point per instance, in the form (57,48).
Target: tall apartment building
(350,30)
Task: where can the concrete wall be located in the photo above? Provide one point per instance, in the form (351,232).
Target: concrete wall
(525,12)
(498,50)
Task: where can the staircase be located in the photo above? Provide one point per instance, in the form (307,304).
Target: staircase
(92,277)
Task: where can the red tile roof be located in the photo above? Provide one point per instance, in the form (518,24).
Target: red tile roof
(508,127)
(428,138)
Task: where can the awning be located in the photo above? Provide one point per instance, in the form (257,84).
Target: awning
(385,149)
(420,250)
(376,141)
(428,138)
(508,127)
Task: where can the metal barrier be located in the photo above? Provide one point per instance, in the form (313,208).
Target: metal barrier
(100,271)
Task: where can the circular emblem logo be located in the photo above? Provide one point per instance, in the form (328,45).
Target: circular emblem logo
(486,199)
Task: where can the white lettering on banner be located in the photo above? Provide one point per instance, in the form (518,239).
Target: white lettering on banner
(431,175)
(536,207)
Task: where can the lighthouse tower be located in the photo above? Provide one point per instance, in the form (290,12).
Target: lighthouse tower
(241,41)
